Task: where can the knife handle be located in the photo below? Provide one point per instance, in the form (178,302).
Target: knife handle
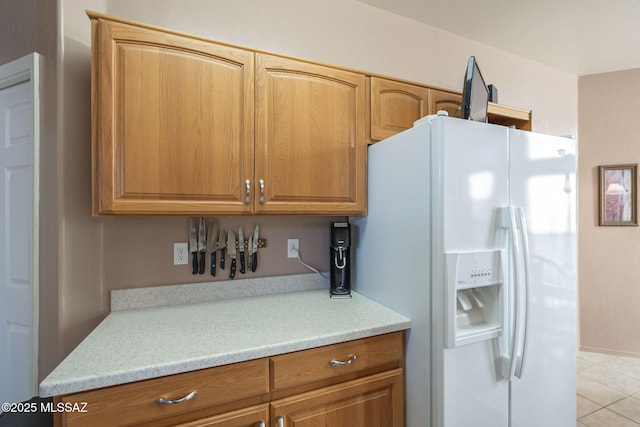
(222,252)
(194,263)
(202,262)
(242,269)
(254,265)
(232,273)
(213,263)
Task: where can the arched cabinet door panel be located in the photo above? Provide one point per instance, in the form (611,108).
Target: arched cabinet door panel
(173,122)
(310,138)
(395,106)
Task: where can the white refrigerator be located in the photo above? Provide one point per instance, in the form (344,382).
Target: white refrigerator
(471,233)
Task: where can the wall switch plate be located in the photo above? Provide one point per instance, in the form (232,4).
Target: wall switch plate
(180,253)
(293,246)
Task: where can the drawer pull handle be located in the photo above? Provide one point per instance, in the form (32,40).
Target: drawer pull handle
(280,421)
(163,401)
(335,362)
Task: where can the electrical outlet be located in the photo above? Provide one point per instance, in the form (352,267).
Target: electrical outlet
(180,253)
(293,246)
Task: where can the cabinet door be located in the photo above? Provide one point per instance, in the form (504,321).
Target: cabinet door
(310,138)
(447,101)
(173,122)
(255,416)
(374,401)
(395,106)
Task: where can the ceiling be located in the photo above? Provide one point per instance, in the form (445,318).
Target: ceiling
(578,36)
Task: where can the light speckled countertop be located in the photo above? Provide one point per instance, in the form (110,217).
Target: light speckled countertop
(133,345)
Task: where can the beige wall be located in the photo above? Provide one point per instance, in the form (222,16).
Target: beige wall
(82,303)
(31,26)
(105,253)
(354,34)
(100,254)
(609,270)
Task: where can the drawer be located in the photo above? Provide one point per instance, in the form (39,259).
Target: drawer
(137,402)
(322,363)
(245,417)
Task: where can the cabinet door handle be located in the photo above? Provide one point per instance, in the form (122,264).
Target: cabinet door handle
(262,191)
(163,401)
(335,362)
(261,423)
(247,198)
(280,421)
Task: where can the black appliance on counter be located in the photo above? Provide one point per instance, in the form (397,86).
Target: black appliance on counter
(340,259)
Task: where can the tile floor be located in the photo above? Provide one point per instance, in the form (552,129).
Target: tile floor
(608,390)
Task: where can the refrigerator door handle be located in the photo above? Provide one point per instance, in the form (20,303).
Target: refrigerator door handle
(509,221)
(527,290)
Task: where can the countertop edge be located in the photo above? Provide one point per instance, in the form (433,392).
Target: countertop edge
(364,318)
(88,383)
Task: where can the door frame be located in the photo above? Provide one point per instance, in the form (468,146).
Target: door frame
(28,69)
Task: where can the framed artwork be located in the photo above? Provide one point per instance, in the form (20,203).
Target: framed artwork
(618,195)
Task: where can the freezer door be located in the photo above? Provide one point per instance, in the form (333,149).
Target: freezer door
(543,183)
(470,184)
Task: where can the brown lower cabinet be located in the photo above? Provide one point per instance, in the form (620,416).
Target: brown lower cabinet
(255,416)
(357,383)
(373,401)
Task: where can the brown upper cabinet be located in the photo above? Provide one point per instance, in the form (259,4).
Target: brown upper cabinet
(173,128)
(448,101)
(509,116)
(395,105)
(182,125)
(310,138)
(172,122)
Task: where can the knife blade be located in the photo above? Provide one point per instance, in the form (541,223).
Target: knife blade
(231,244)
(222,244)
(212,237)
(241,249)
(254,248)
(249,253)
(193,244)
(202,243)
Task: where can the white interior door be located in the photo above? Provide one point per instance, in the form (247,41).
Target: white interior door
(18,229)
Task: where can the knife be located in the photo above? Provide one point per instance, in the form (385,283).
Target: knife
(202,243)
(193,244)
(212,237)
(222,244)
(250,254)
(254,248)
(231,244)
(241,249)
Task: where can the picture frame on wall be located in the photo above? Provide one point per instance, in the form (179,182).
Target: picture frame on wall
(618,195)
